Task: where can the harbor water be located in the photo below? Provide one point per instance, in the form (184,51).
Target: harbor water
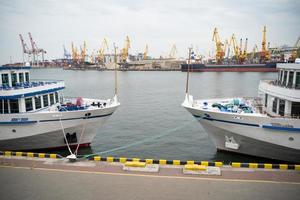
(151,123)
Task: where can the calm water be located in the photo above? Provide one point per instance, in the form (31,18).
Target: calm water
(150,123)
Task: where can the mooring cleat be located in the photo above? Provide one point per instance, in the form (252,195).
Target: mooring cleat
(72,157)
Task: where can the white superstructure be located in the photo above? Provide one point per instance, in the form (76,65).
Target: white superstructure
(265,126)
(34,114)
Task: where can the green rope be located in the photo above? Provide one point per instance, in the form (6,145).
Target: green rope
(140,141)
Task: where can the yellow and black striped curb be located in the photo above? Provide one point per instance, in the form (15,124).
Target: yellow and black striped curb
(153,161)
(265,166)
(30,154)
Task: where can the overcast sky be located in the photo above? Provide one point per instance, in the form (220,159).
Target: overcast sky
(160,24)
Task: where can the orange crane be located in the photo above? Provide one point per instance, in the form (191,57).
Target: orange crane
(219,49)
(264,54)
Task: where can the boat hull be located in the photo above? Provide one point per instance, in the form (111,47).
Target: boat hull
(46,129)
(268,67)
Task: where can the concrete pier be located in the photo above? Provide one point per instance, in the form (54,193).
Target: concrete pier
(46,178)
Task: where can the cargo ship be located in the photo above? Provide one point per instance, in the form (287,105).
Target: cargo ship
(199,67)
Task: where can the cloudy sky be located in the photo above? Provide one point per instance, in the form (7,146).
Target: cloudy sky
(160,24)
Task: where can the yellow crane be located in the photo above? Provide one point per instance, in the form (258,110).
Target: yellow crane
(103,47)
(235,47)
(173,52)
(243,53)
(74,53)
(264,54)
(219,50)
(92,57)
(254,51)
(83,52)
(145,54)
(124,51)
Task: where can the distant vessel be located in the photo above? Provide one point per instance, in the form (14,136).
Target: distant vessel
(198,67)
(265,126)
(34,114)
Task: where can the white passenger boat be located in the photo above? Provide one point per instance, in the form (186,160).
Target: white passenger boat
(34,114)
(265,126)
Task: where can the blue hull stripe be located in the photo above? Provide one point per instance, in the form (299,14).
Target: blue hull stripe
(51,120)
(280,128)
(225,121)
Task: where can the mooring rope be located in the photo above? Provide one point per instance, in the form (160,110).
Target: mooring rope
(140,141)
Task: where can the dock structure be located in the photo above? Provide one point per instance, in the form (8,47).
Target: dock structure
(36,175)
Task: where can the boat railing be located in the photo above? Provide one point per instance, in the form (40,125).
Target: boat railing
(33,83)
(281,84)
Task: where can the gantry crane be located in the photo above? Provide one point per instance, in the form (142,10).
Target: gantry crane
(124,51)
(100,55)
(264,54)
(25,48)
(36,51)
(219,46)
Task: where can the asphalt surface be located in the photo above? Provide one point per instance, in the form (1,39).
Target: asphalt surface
(51,179)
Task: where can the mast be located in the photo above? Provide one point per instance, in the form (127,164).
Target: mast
(116,77)
(188,73)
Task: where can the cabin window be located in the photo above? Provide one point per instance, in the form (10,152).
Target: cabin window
(5,106)
(291,77)
(295,112)
(1,106)
(14,105)
(14,79)
(266,100)
(45,100)
(21,77)
(56,97)
(38,102)
(281,107)
(28,104)
(297,80)
(27,76)
(284,77)
(274,108)
(51,99)
(5,79)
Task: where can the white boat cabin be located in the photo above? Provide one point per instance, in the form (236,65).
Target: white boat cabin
(281,97)
(18,94)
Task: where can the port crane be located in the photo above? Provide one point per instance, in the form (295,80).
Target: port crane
(173,52)
(243,53)
(25,48)
(36,51)
(83,51)
(235,47)
(100,55)
(264,54)
(219,46)
(124,51)
(75,55)
(254,52)
(145,54)
(67,55)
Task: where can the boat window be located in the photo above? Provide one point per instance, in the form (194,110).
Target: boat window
(281,107)
(5,79)
(266,100)
(28,104)
(14,105)
(1,106)
(291,77)
(297,80)
(45,100)
(51,99)
(56,97)
(21,77)
(27,76)
(13,79)
(5,106)
(38,102)
(274,109)
(295,112)
(284,77)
